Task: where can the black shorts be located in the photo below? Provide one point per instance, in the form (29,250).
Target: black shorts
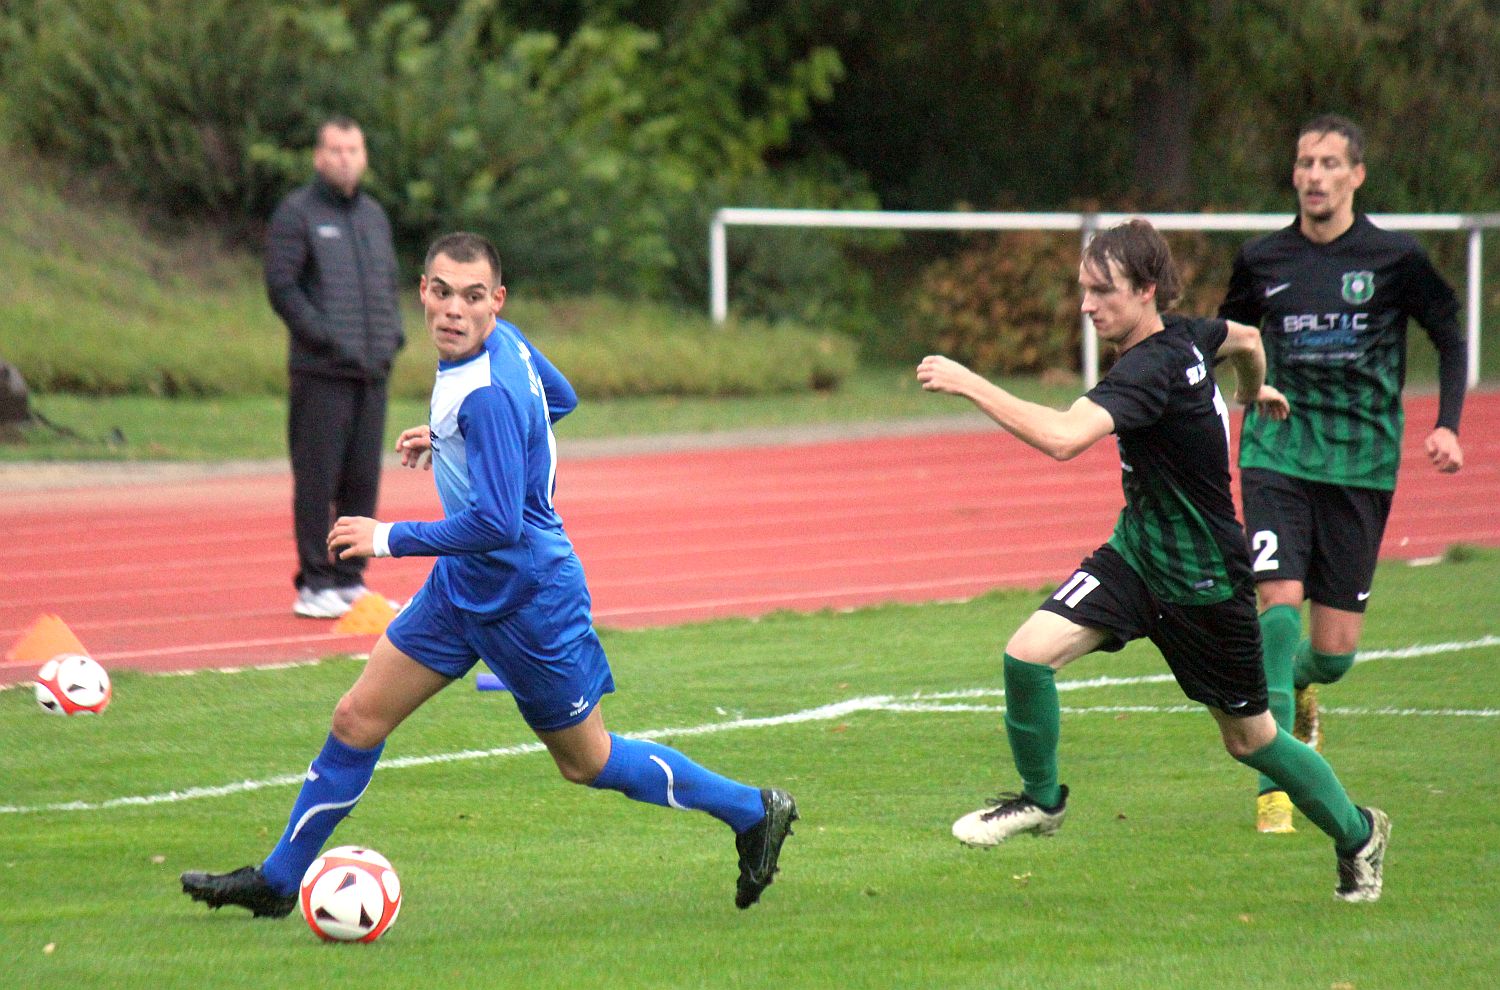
(1325,536)
(1213,650)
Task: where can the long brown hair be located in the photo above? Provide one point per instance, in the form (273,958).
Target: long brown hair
(1143,256)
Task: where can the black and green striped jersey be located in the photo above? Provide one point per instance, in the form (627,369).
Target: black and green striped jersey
(1178,528)
(1333,317)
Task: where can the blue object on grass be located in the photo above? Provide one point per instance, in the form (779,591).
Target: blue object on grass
(488,681)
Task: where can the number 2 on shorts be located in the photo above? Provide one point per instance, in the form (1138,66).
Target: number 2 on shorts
(1265,545)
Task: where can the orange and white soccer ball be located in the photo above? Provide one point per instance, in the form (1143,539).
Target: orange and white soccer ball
(350,894)
(72,684)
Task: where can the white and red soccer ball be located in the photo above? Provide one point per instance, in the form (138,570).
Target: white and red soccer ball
(350,894)
(72,684)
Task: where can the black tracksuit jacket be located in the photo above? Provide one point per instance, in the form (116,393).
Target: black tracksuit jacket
(331,276)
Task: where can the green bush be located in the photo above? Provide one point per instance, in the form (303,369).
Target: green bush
(1005,305)
(166,96)
(584,158)
(1008,304)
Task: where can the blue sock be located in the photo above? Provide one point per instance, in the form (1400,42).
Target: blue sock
(335,781)
(644,771)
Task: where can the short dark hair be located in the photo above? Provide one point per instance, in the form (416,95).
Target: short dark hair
(1144,258)
(338,122)
(464,246)
(1332,123)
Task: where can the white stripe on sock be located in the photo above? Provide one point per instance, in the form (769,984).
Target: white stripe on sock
(331,806)
(671,799)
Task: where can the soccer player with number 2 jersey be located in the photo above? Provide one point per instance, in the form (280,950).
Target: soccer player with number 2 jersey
(1331,294)
(1175,571)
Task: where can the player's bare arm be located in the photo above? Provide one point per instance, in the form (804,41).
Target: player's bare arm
(415,447)
(1243,349)
(1060,434)
(1444,450)
(352,536)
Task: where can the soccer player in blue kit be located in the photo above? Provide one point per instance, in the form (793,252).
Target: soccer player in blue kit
(506,588)
(1177,568)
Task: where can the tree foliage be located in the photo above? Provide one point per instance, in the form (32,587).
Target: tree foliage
(1016,105)
(583,156)
(593,138)
(1421,79)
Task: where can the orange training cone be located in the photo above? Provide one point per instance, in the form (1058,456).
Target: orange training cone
(371,614)
(48,637)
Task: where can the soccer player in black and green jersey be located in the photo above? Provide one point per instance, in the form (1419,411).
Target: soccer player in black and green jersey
(1175,571)
(1332,294)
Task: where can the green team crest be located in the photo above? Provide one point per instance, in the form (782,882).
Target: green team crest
(1358,287)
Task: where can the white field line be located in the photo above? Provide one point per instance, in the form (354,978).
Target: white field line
(921,706)
(927,702)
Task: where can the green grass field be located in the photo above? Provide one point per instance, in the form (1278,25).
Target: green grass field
(514,878)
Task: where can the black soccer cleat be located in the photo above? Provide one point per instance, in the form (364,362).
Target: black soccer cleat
(760,847)
(245,887)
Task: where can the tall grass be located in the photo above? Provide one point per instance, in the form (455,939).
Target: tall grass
(96,304)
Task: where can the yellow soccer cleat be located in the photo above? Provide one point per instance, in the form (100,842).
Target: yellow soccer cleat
(1307,727)
(1273,813)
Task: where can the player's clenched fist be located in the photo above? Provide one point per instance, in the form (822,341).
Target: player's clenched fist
(1444,450)
(939,374)
(352,536)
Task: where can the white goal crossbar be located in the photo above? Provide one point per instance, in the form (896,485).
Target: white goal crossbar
(1086,225)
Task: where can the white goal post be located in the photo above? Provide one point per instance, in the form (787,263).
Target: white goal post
(1086,225)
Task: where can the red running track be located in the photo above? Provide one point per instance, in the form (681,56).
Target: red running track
(197,573)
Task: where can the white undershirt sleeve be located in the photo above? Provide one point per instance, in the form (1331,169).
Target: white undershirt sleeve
(382,539)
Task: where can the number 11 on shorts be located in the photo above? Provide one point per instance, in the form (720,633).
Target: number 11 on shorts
(1077,587)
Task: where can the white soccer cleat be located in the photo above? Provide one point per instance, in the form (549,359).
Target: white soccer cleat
(1011,814)
(1362,874)
(352,594)
(325,604)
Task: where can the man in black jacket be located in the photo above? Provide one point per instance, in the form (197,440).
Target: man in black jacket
(331,277)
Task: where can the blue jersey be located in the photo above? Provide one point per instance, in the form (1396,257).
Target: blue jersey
(495,462)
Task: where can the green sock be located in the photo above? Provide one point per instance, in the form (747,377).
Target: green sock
(1312,667)
(1280,629)
(1314,788)
(1033,723)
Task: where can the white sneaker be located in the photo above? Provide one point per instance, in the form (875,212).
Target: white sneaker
(352,594)
(1012,814)
(1361,875)
(325,604)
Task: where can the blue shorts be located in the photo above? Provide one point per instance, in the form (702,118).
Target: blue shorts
(555,684)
